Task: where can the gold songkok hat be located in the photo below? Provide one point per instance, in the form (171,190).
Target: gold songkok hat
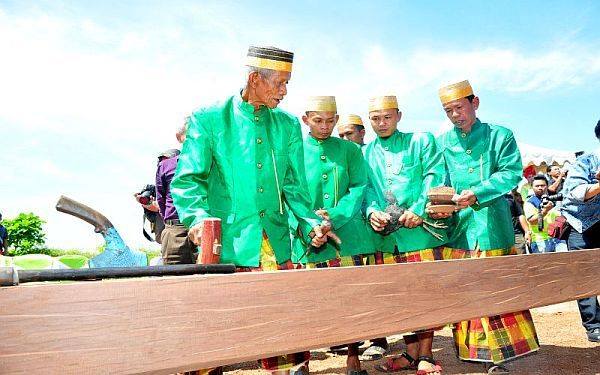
(455,91)
(320,104)
(270,58)
(350,120)
(383,102)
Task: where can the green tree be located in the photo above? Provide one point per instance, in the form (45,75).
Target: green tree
(25,234)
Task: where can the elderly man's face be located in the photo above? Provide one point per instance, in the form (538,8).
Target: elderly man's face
(385,121)
(462,112)
(320,123)
(271,90)
(352,132)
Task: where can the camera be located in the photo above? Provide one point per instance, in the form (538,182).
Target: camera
(545,200)
(147,194)
(551,198)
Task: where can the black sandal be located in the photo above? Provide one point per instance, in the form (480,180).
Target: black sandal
(389,365)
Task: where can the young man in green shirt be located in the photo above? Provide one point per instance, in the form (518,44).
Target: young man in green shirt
(483,163)
(405,166)
(242,162)
(337,179)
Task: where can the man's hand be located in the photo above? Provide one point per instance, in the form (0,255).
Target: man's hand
(378,220)
(321,234)
(195,233)
(465,199)
(547,207)
(410,220)
(527,237)
(436,215)
(322,213)
(152,206)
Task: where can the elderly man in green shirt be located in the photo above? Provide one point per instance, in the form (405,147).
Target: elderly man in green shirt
(483,164)
(242,162)
(404,166)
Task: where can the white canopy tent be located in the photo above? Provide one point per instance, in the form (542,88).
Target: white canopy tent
(539,156)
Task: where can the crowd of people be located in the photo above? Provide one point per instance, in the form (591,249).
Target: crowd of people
(286,202)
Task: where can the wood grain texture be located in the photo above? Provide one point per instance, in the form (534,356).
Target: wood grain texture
(164,325)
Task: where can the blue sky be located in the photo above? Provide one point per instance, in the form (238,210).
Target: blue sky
(90,92)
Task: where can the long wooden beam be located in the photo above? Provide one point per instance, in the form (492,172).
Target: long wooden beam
(164,325)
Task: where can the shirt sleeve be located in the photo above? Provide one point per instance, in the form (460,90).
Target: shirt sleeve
(350,204)
(530,210)
(295,187)
(505,178)
(189,186)
(161,193)
(433,169)
(578,182)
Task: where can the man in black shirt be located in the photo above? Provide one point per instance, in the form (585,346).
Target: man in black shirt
(522,233)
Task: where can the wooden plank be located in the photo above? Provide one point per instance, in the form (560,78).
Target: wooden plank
(164,325)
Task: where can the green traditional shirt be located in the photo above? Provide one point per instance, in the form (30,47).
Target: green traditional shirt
(243,166)
(337,179)
(408,165)
(486,161)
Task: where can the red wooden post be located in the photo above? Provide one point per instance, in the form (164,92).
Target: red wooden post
(210,242)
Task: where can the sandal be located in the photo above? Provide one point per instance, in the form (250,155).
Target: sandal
(390,366)
(373,353)
(357,372)
(497,369)
(436,365)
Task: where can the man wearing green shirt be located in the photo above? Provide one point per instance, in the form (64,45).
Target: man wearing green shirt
(405,165)
(483,163)
(242,162)
(337,179)
(350,127)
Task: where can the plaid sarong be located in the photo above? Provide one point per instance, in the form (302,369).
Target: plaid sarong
(346,261)
(269,263)
(498,338)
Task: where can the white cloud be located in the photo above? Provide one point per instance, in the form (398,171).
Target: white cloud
(89,106)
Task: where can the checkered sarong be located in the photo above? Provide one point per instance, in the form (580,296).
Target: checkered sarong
(498,338)
(345,261)
(269,263)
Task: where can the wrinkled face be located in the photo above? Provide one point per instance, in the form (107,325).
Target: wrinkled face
(270,91)
(554,171)
(462,112)
(320,123)
(385,121)
(352,133)
(539,187)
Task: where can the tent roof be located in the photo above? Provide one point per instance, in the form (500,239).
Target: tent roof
(535,155)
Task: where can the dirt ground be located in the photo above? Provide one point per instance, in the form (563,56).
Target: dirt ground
(564,350)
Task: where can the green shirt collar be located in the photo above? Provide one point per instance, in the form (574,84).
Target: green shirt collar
(389,140)
(315,142)
(246,107)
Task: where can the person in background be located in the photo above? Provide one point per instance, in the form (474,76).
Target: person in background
(556,178)
(176,247)
(581,207)
(520,226)
(351,128)
(3,238)
(537,208)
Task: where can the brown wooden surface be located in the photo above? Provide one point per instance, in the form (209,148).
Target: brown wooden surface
(164,325)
